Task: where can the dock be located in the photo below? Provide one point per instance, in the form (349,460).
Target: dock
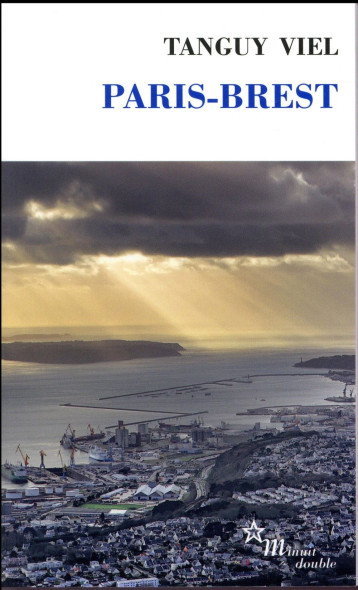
(121,409)
(178,388)
(157,419)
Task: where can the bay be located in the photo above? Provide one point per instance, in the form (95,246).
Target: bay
(32,394)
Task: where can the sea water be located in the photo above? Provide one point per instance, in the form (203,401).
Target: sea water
(32,414)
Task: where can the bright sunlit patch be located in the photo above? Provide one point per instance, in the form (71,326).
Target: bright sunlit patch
(323,262)
(136,263)
(261,262)
(300,179)
(9,246)
(62,210)
(238,298)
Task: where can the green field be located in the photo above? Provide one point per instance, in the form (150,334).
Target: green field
(185,458)
(108,507)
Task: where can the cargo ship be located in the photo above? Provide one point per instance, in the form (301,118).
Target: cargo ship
(14,473)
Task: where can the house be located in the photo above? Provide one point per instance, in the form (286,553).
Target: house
(139,582)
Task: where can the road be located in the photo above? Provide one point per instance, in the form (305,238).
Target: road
(201,482)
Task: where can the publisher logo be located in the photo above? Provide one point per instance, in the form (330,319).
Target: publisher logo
(279,548)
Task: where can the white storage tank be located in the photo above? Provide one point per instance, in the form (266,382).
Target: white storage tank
(30,492)
(13,495)
(74,494)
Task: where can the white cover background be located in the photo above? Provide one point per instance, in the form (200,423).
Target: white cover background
(57,56)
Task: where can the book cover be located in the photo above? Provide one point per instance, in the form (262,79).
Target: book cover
(178,342)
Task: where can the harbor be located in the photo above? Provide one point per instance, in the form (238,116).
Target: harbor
(179,472)
(163,483)
(179,400)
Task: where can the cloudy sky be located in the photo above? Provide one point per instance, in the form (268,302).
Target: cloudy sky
(226,252)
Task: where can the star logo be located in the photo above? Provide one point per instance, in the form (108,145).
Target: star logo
(253,532)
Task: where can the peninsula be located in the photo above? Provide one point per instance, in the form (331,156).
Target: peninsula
(81,351)
(344,361)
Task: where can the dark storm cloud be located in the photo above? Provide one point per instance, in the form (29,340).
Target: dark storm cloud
(178,209)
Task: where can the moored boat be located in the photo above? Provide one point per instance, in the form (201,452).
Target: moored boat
(97,453)
(69,438)
(14,473)
(89,437)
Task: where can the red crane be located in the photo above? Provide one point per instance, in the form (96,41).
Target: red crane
(25,458)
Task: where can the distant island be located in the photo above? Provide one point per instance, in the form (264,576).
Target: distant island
(80,352)
(35,337)
(343,361)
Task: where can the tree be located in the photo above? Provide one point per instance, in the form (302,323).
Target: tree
(230,527)
(213,529)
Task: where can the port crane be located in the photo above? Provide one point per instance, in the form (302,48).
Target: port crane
(42,455)
(69,428)
(91,430)
(63,465)
(345,391)
(25,458)
(72,455)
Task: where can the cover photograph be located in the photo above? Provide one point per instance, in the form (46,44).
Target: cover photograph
(178,296)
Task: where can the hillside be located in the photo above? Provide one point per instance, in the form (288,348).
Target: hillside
(344,361)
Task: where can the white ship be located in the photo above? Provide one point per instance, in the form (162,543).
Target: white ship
(15,473)
(97,453)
